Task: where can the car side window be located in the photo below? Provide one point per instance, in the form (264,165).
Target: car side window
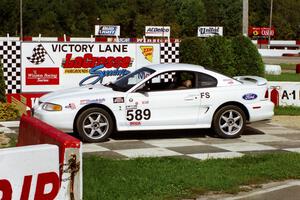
(205,80)
(172,80)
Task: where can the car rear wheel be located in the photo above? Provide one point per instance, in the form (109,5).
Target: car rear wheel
(94,125)
(229,122)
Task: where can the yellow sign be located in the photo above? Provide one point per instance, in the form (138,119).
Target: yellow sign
(77,71)
(147,51)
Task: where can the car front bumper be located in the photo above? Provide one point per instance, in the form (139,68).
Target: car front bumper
(62,120)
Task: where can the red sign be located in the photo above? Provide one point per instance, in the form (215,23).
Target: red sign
(42,76)
(43,179)
(89,61)
(261,31)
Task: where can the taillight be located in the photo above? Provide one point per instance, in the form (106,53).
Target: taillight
(267,94)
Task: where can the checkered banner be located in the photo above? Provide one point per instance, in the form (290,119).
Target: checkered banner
(38,55)
(10,56)
(169,53)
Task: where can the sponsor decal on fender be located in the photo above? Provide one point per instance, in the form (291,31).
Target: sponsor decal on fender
(89,101)
(71,106)
(145,102)
(228,81)
(134,123)
(118,100)
(147,51)
(42,76)
(131,107)
(249,96)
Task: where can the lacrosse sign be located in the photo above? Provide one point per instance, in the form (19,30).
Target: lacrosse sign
(51,66)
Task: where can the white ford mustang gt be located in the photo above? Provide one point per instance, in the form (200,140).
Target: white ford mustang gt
(159,97)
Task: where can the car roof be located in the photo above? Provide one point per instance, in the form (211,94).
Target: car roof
(175,66)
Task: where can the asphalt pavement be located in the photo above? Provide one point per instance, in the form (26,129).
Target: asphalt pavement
(202,144)
(282,59)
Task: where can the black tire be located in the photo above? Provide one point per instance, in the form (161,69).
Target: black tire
(94,125)
(229,122)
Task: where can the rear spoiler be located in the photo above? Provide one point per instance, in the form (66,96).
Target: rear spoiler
(254,79)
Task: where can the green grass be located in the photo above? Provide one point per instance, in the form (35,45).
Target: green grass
(177,178)
(288,66)
(287,110)
(284,77)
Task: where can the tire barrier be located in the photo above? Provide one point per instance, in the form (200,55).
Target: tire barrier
(33,131)
(273,69)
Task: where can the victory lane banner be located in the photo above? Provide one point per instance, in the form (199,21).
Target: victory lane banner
(47,67)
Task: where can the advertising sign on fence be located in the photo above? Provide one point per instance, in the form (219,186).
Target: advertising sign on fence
(107,30)
(208,31)
(51,66)
(157,31)
(261,31)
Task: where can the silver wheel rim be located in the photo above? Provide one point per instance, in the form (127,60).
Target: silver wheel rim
(95,125)
(231,122)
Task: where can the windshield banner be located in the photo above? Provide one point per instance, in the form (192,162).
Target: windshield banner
(52,66)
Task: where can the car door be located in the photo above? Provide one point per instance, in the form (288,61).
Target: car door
(163,103)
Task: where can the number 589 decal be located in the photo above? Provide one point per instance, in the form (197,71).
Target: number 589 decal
(138,114)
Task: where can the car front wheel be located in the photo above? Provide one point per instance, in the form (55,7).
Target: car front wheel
(94,125)
(229,122)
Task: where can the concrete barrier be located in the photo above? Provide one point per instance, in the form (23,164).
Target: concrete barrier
(276,52)
(30,172)
(33,131)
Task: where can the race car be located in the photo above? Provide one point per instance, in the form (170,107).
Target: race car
(159,97)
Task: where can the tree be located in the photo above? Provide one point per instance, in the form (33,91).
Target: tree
(234,56)
(190,16)
(247,59)
(225,13)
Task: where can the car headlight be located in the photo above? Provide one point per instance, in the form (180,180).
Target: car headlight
(51,107)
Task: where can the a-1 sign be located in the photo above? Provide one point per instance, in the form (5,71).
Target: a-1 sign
(107,30)
(285,93)
(208,31)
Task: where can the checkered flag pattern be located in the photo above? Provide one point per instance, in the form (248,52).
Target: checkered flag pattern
(169,53)
(38,55)
(10,56)
(168,77)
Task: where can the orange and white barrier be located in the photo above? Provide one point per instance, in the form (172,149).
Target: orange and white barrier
(30,172)
(33,131)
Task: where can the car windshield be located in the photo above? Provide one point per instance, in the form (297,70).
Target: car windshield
(130,80)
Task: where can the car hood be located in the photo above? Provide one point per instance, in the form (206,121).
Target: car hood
(83,91)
